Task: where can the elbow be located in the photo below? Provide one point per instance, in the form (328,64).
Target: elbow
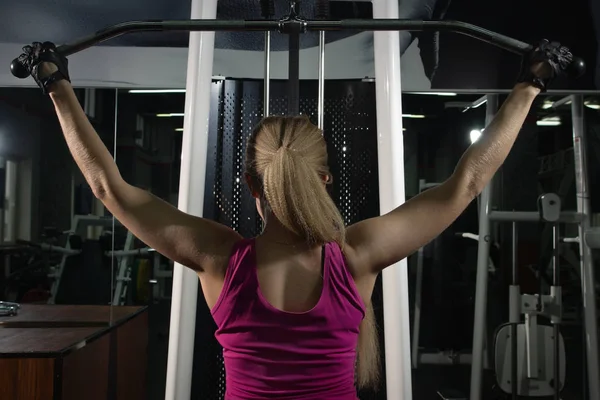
(104,187)
(470,184)
(100,192)
(474,187)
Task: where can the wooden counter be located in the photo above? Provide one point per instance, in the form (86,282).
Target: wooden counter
(58,352)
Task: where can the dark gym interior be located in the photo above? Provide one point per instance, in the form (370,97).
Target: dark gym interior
(62,248)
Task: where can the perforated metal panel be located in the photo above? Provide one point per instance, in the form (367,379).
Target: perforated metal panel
(350,126)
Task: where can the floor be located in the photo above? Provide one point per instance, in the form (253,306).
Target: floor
(427,380)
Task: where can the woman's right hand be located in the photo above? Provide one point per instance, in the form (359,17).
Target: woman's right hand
(45,64)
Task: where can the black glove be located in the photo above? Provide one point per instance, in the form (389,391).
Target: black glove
(556,57)
(36,54)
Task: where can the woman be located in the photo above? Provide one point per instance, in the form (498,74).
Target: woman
(290,303)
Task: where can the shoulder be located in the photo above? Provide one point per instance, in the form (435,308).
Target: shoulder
(227,250)
(351,259)
(363,280)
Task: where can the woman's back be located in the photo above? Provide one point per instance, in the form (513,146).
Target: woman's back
(288,323)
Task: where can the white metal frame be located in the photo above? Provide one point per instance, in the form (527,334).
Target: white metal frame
(481,285)
(391,187)
(390,151)
(191,200)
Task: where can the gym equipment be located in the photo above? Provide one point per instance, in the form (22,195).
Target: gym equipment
(55,271)
(293,25)
(322,13)
(125,260)
(586,240)
(79,227)
(8,308)
(267,8)
(529,357)
(75,246)
(443,356)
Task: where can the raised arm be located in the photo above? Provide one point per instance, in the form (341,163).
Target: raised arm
(191,241)
(382,241)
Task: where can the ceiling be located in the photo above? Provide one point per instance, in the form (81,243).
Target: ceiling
(61,21)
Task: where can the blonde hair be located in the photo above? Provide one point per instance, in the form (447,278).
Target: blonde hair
(286,158)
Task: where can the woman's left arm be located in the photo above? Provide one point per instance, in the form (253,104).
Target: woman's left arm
(380,242)
(385,240)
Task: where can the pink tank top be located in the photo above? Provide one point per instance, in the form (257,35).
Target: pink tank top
(272,354)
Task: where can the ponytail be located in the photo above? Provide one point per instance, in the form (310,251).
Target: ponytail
(368,368)
(289,163)
(298,198)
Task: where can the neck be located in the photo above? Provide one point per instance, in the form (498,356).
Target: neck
(275,232)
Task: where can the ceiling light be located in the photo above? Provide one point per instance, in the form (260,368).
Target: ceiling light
(170,115)
(547,105)
(475,135)
(413,116)
(550,121)
(149,91)
(592,105)
(434,93)
(179,130)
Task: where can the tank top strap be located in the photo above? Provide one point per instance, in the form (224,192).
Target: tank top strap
(340,277)
(239,273)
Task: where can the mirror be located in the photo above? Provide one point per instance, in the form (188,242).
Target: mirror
(149,133)
(55,236)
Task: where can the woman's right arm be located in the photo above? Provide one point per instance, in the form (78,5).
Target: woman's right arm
(195,242)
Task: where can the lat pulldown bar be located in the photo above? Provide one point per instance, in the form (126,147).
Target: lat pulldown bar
(293,25)
(288,25)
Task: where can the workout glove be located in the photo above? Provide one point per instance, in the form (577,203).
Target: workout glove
(556,57)
(36,54)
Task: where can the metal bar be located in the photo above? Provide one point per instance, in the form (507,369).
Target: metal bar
(390,161)
(531,216)
(587,267)
(321,94)
(267,77)
(514,365)
(556,324)
(11,201)
(294,24)
(417,313)
(515,241)
(483,255)
(192,179)
(192,25)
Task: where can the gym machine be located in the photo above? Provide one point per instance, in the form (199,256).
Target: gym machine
(292,24)
(530,358)
(9,309)
(547,305)
(125,259)
(79,228)
(446,356)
